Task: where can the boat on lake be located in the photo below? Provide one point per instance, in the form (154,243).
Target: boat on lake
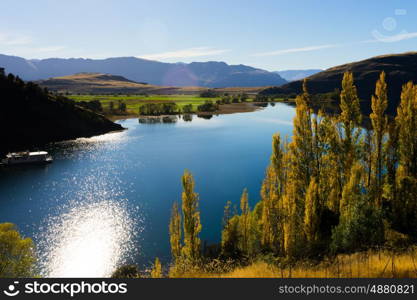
(26,157)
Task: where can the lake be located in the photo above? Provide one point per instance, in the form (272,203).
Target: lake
(106,200)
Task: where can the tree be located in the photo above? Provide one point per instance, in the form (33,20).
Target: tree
(175,232)
(379,126)
(191,218)
(17,255)
(156,271)
(231,237)
(121,106)
(360,224)
(406,175)
(244,221)
(300,159)
(271,195)
(350,118)
(312,213)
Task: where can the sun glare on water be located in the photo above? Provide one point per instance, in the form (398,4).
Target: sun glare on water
(90,240)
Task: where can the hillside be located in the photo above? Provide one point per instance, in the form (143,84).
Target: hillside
(31,117)
(95,83)
(400,68)
(99,83)
(292,75)
(206,74)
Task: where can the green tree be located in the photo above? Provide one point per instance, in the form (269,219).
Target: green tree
(191,218)
(360,224)
(17,255)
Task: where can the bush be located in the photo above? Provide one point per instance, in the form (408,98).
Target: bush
(208,106)
(363,229)
(187,109)
(17,257)
(208,94)
(128,271)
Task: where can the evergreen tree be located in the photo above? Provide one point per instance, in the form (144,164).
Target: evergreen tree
(191,218)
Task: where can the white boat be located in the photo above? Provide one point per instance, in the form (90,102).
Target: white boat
(26,157)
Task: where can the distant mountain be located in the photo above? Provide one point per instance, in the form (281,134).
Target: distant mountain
(206,74)
(29,117)
(292,75)
(399,68)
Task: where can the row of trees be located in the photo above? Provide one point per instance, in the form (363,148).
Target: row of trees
(237,98)
(155,109)
(335,187)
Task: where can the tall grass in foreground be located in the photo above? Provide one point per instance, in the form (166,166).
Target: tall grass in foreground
(368,264)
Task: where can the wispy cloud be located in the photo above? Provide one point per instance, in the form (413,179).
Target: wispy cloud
(391,38)
(49,49)
(185,53)
(295,50)
(14,40)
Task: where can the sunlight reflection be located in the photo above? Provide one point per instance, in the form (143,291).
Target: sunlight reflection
(90,240)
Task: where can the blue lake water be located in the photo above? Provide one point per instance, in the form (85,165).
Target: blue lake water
(106,200)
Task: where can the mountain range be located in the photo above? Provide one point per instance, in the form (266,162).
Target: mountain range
(399,69)
(292,75)
(205,74)
(99,83)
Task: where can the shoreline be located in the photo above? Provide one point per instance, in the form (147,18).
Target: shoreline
(225,109)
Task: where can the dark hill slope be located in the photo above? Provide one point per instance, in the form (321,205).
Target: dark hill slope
(400,68)
(31,117)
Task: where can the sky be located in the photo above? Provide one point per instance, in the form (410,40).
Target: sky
(268,34)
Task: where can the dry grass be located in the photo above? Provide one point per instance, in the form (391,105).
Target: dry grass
(370,264)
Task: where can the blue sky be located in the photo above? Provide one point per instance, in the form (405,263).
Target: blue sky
(269,34)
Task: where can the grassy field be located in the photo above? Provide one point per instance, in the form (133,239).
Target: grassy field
(368,264)
(134,101)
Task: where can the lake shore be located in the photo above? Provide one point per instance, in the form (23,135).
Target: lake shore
(224,109)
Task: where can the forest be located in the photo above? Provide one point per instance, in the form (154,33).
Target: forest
(334,188)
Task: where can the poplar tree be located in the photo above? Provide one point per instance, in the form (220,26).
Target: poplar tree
(300,160)
(406,176)
(312,213)
(191,218)
(350,118)
(156,271)
(301,146)
(244,221)
(271,195)
(379,125)
(175,232)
